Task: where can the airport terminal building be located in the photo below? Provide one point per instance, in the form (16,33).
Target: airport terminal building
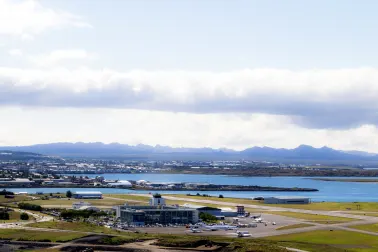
(150,215)
(156,212)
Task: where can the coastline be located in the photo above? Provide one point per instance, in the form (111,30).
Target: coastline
(359,180)
(217,188)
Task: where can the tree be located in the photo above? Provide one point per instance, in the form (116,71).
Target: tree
(24,216)
(221,196)
(69,194)
(4,215)
(29,206)
(206,217)
(5,192)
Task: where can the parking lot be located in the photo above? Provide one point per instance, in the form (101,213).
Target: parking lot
(264,227)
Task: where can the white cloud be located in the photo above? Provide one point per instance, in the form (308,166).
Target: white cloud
(15,52)
(28,18)
(63,55)
(341,98)
(237,130)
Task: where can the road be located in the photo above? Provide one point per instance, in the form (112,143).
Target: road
(362,219)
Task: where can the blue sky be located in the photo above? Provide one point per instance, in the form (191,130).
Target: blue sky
(190,73)
(220,35)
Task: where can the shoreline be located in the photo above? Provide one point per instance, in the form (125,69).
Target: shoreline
(358,180)
(218,188)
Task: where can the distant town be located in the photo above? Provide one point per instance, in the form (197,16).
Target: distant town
(40,166)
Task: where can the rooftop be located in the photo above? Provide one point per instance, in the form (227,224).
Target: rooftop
(288,197)
(87,192)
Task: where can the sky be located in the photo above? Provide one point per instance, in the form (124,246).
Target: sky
(190,73)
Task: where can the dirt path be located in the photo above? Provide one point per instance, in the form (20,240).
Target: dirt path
(148,245)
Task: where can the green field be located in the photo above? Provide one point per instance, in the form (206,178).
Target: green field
(231,200)
(325,206)
(317,218)
(76,226)
(368,227)
(67,203)
(129,197)
(335,206)
(365,214)
(236,244)
(338,239)
(16,198)
(15,216)
(31,235)
(300,225)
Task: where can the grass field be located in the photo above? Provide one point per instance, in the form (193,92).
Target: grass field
(16,198)
(31,235)
(42,250)
(300,225)
(76,226)
(128,197)
(317,218)
(15,216)
(365,214)
(369,227)
(236,244)
(231,200)
(65,202)
(338,239)
(325,206)
(336,206)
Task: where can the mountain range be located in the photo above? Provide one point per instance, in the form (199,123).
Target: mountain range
(7,155)
(141,151)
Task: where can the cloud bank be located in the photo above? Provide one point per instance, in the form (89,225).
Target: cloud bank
(26,125)
(313,98)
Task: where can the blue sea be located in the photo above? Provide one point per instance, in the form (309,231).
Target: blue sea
(328,190)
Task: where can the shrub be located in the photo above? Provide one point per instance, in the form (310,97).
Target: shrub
(29,206)
(24,216)
(70,213)
(5,192)
(4,215)
(206,217)
(221,196)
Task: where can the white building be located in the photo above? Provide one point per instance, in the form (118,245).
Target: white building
(88,195)
(287,200)
(121,183)
(157,200)
(141,182)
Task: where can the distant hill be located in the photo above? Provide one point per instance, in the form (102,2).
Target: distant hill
(124,151)
(9,155)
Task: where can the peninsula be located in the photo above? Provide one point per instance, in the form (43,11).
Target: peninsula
(359,180)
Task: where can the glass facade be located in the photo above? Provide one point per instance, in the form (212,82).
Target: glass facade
(151,216)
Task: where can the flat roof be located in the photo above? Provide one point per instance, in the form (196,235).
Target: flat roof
(94,192)
(286,197)
(146,210)
(200,207)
